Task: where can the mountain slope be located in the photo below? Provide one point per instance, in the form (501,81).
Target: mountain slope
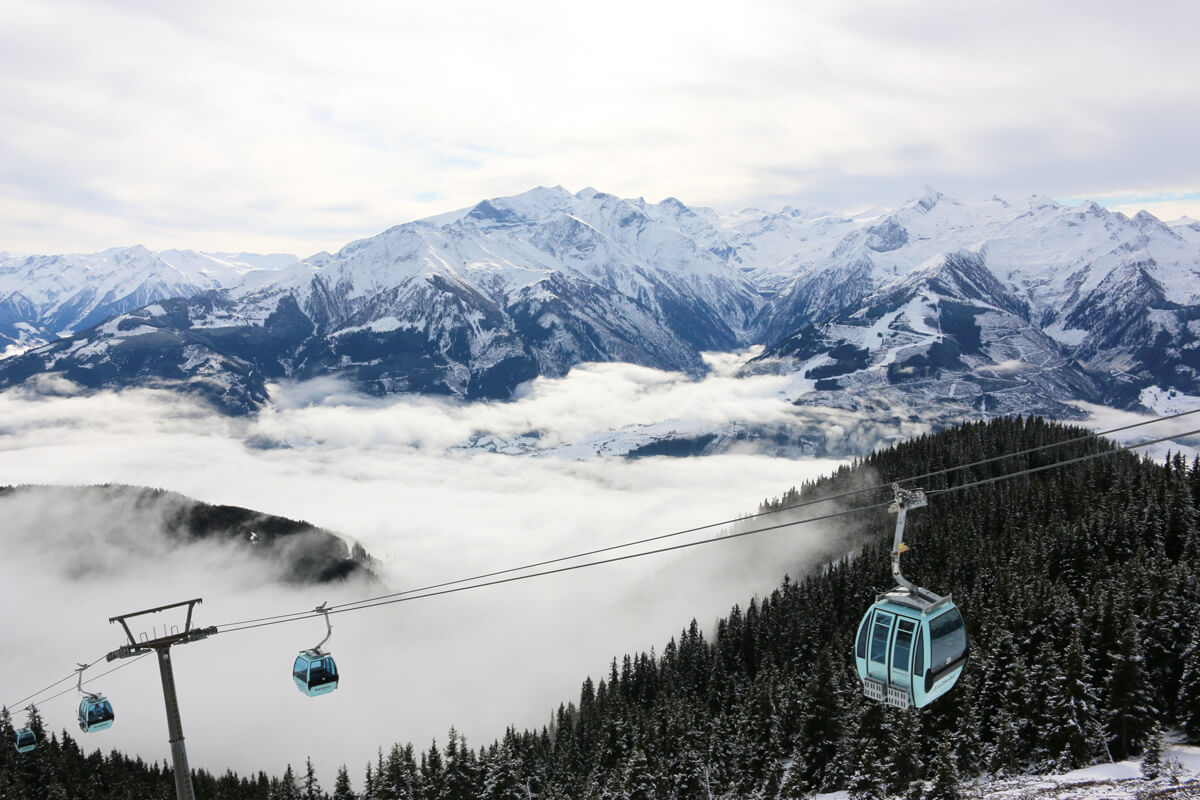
(469,304)
(1027,306)
(43,298)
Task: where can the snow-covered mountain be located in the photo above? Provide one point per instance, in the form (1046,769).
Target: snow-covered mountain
(43,298)
(993,306)
(961,306)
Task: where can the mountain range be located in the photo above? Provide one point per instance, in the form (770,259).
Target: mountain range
(940,306)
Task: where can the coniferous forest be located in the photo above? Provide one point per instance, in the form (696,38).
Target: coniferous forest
(1080,587)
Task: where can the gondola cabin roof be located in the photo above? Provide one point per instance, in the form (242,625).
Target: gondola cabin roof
(923,603)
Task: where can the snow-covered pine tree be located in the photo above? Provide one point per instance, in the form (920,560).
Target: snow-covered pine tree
(460,782)
(502,778)
(1152,753)
(907,768)
(342,789)
(370,780)
(637,777)
(944,781)
(1187,707)
(286,788)
(814,758)
(311,790)
(1131,709)
(689,778)
(1069,717)
(431,773)
(868,745)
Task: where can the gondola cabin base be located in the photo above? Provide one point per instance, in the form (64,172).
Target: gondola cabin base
(911,648)
(95,713)
(315,672)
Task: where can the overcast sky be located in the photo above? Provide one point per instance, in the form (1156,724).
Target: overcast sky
(300,126)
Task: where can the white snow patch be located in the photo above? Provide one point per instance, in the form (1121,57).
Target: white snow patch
(155,310)
(381,325)
(1072,337)
(195,356)
(1117,781)
(916,311)
(869,337)
(1012,365)
(1165,320)
(1167,401)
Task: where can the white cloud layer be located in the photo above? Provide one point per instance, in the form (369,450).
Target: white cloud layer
(390,474)
(300,126)
(379,472)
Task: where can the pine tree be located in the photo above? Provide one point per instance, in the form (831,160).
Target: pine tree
(869,745)
(1152,754)
(369,784)
(1128,697)
(432,773)
(815,765)
(905,752)
(312,787)
(1068,716)
(795,786)
(689,778)
(502,773)
(637,780)
(341,786)
(286,788)
(945,783)
(1187,707)
(459,781)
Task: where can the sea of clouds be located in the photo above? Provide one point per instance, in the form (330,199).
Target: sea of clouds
(394,475)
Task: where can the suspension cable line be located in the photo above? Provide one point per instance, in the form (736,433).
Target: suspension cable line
(420,591)
(385,600)
(418,594)
(465,584)
(17,705)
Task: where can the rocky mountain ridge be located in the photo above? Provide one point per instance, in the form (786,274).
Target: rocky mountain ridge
(963,307)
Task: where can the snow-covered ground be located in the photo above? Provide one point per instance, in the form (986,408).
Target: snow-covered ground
(1101,782)
(1167,401)
(1120,780)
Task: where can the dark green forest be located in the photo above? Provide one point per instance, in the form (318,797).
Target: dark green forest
(1080,587)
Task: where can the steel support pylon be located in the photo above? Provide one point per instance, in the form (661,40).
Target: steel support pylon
(179,759)
(161,645)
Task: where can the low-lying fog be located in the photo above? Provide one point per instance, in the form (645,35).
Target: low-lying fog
(387,474)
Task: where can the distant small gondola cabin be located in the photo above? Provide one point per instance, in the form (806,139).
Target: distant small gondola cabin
(95,713)
(911,648)
(24,740)
(315,672)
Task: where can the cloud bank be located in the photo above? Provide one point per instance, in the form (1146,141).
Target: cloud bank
(387,474)
(409,478)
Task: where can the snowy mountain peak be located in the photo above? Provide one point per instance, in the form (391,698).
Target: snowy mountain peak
(473,302)
(929,198)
